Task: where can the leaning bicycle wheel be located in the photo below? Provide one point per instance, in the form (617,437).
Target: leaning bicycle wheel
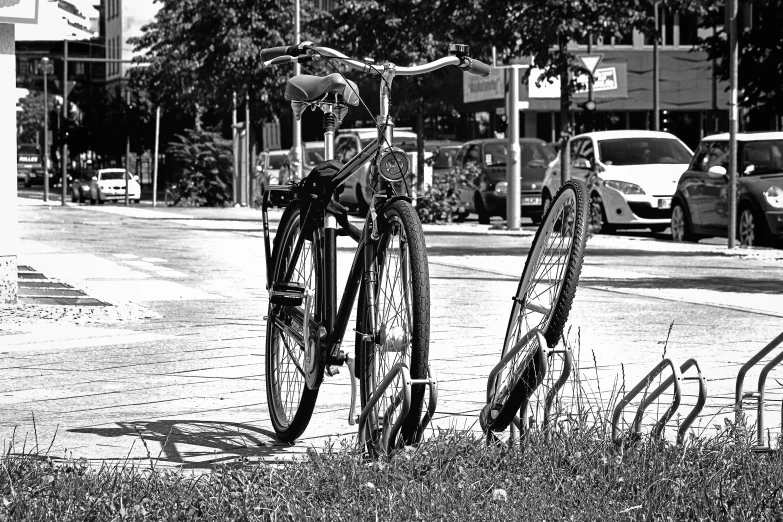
(401,310)
(543,299)
(290,401)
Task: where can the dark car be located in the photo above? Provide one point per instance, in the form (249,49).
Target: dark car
(81,181)
(441,155)
(700,206)
(482,164)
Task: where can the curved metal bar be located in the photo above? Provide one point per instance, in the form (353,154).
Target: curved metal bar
(568,363)
(686,424)
(399,368)
(738,394)
(761,396)
(522,343)
(644,383)
(541,367)
(432,382)
(378,69)
(390,434)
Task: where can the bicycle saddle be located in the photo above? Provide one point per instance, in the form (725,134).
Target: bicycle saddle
(305,88)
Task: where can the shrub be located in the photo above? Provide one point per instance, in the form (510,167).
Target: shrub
(442,202)
(204,168)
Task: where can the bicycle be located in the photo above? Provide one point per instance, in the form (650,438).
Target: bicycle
(390,274)
(541,306)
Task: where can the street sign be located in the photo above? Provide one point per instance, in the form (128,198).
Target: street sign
(18,11)
(477,88)
(590,61)
(42,66)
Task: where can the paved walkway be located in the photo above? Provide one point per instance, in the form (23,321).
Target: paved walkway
(175,371)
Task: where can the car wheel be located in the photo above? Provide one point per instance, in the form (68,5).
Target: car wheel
(461,216)
(598,221)
(681,225)
(478,203)
(361,204)
(750,229)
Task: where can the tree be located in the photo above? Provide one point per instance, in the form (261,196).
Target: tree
(203,166)
(760,54)
(403,32)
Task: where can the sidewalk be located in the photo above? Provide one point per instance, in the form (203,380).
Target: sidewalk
(178,364)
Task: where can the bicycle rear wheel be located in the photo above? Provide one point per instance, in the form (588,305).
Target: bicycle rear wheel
(290,401)
(543,300)
(402,324)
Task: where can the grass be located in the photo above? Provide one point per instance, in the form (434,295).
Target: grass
(563,475)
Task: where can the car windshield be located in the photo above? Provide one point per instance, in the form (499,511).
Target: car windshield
(276,161)
(406,143)
(314,156)
(112,175)
(530,152)
(642,151)
(762,157)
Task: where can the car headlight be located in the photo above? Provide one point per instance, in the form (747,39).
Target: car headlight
(501,187)
(625,188)
(774,196)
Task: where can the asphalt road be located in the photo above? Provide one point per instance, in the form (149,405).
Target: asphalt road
(186,386)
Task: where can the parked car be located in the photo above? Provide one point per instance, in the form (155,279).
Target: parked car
(81,183)
(441,155)
(633,175)
(358,189)
(268,166)
(701,207)
(109,185)
(312,154)
(483,165)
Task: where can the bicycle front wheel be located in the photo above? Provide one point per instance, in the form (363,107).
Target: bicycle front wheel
(401,309)
(290,401)
(543,299)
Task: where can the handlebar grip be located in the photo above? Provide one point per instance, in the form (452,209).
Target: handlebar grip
(476,67)
(275,52)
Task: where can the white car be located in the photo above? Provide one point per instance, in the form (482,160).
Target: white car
(109,185)
(358,190)
(636,174)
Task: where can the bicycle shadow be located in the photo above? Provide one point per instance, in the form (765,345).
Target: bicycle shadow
(194,444)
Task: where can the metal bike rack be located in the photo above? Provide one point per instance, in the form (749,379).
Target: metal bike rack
(700,402)
(402,402)
(676,379)
(740,396)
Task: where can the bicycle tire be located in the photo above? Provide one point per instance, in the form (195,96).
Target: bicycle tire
(547,296)
(289,400)
(401,261)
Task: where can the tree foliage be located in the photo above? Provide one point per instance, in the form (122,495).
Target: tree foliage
(202,163)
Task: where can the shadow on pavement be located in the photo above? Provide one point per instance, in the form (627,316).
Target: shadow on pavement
(715,283)
(195,443)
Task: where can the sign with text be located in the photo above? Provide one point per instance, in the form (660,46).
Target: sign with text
(18,11)
(476,88)
(609,81)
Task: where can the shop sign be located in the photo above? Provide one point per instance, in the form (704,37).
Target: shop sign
(475,88)
(19,11)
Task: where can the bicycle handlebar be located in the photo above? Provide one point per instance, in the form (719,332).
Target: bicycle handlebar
(274,55)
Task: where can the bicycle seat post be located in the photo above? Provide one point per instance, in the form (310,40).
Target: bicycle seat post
(330,121)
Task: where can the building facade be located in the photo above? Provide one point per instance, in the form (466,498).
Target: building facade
(123,19)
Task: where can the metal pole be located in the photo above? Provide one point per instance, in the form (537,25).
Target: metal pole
(297,123)
(513,167)
(235,142)
(248,152)
(656,74)
(155,159)
(45,155)
(127,146)
(64,158)
(590,80)
(733,120)
(565,113)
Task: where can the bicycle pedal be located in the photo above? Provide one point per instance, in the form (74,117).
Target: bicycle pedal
(287,294)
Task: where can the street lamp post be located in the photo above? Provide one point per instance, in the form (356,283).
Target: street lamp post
(45,156)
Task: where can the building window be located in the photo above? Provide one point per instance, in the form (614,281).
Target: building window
(689,29)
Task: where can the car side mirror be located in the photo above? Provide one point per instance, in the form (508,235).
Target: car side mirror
(582,163)
(717,171)
(95,178)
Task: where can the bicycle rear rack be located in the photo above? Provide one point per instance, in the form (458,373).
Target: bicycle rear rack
(759,395)
(401,402)
(676,379)
(539,358)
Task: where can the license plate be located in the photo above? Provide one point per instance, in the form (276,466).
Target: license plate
(531,201)
(664,203)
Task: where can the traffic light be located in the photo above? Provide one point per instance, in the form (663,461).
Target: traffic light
(588,106)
